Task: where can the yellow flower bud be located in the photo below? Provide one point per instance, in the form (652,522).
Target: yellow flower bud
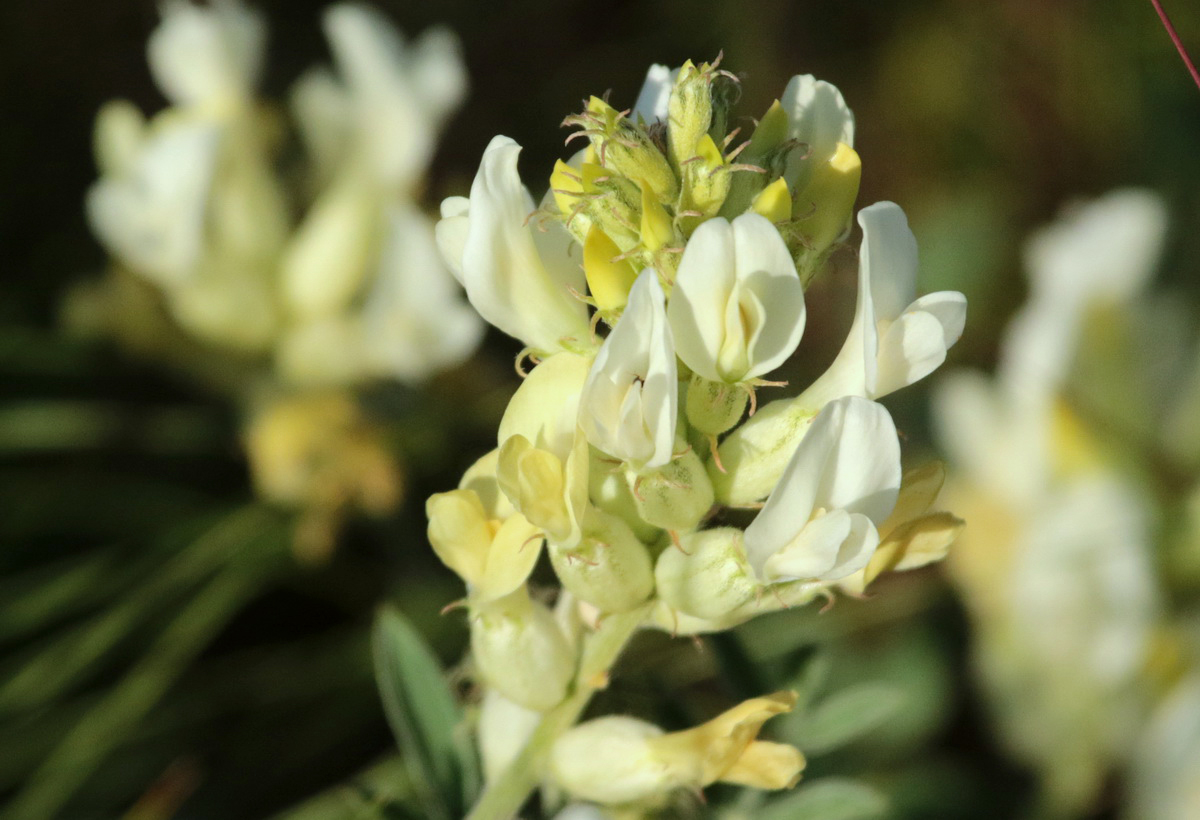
(826,204)
(657,230)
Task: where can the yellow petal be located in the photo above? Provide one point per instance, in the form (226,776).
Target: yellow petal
(914,544)
(774,202)
(771,131)
(656,223)
(919,488)
(827,203)
(511,558)
(704,754)
(609,279)
(460,532)
(766,765)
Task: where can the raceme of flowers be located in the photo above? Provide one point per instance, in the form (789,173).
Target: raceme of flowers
(655,286)
(198,202)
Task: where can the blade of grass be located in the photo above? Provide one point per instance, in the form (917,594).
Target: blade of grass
(51,671)
(101,729)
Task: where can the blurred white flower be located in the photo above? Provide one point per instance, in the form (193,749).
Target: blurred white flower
(209,57)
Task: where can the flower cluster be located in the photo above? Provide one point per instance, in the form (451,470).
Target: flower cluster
(1066,535)
(692,245)
(196,201)
(281,254)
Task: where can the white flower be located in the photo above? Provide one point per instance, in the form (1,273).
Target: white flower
(207,56)
(517,273)
(1164,782)
(737,309)
(395,99)
(818,118)
(893,341)
(821,522)
(150,214)
(628,406)
(655,95)
(1102,252)
(415,320)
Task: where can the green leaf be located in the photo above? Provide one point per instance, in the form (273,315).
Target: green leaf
(831,798)
(846,716)
(424,718)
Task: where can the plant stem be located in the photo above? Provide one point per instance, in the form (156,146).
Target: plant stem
(503,798)
(1187,60)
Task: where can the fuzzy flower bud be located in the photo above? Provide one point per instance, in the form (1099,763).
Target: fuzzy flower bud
(521,651)
(609,568)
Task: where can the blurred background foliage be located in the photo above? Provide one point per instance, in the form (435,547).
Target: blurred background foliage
(162,654)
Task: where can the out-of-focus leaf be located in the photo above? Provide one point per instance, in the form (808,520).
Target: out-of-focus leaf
(369,795)
(53,667)
(846,716)
(828,799)
(424,717)
(255,555)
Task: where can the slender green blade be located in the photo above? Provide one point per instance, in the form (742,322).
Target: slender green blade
(424,717)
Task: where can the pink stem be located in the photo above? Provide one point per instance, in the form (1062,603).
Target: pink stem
(1187,61)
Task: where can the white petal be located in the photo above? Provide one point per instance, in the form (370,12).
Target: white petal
(887,271)
(153,219)
(415,318)
(206,55)
(812,552)
(827,549)
(629,404)
(889,258)
(849,459)
(703,285)
(652,100)
(817,117)
(765,268)
(322,110)
(451,232)
(437,72)
(1105,249)
(502,269)
(912,348)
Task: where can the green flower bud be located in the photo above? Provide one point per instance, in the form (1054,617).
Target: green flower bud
(689,113)
(609,490)
(521,651)
(755,455)
(676,496)
(627,149)
(714,407)
(709,576)
(609,568)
